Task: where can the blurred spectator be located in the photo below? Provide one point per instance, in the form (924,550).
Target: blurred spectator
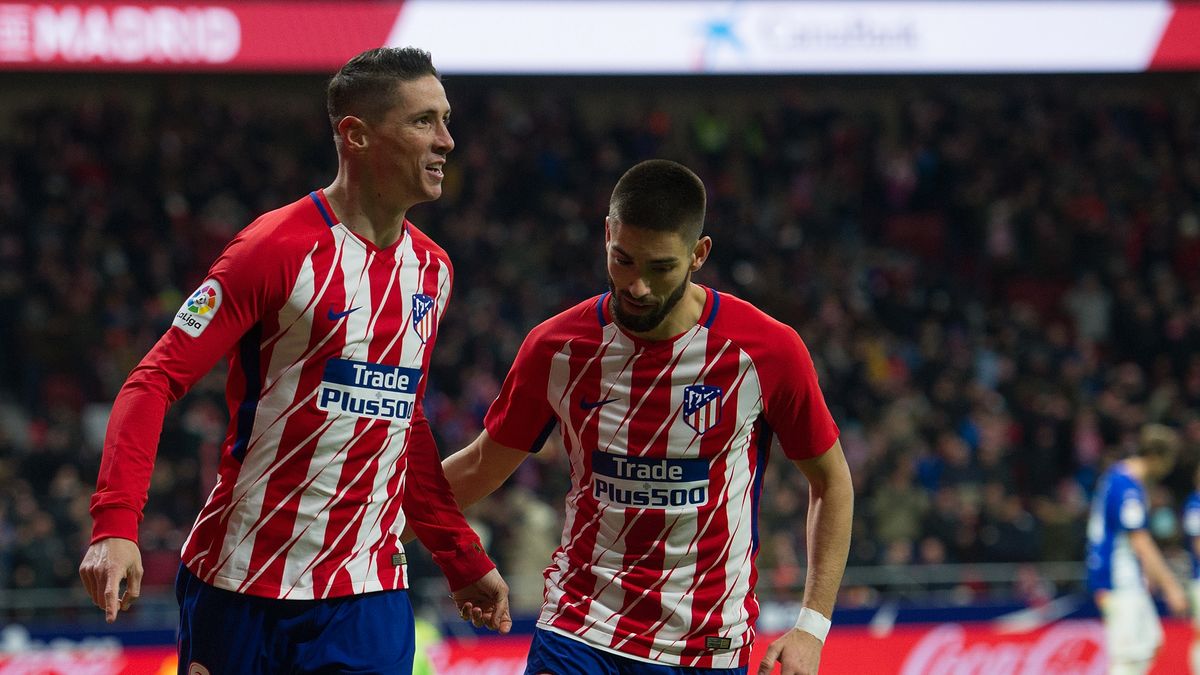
(897,508)
(998,282)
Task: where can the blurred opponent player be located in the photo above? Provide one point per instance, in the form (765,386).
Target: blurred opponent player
(328,309)
(1122,557)
(1191,531)
(667,395)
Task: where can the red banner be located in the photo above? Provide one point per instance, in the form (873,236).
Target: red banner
(1064,648)
(257,36)
(579,37)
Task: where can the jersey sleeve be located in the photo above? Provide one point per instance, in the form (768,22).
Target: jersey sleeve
(232,298)
(794,406)
(1131,511)
(1191,517)
(434,516)
(521,416)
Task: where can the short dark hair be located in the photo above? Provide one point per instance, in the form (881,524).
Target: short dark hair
(365,86)
(661,195)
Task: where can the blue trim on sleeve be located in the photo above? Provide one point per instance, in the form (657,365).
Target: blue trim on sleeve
(321,207)
(248,351)
(541,439)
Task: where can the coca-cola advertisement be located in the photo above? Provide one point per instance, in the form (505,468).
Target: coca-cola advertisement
(1074,647)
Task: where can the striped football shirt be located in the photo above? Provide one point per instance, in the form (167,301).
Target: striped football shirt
(668,441)
(328,454)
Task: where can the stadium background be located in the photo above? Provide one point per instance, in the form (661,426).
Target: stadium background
(996,268)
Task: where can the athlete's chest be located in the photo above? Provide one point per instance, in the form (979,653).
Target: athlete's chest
(352,301)
(691,398)
(360,325)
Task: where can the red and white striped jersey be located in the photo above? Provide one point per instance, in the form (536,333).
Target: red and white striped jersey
(668,442)
(328,452)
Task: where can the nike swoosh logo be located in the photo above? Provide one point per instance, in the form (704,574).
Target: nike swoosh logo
(334,316)
(589,405)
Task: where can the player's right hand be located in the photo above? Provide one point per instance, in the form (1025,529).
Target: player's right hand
(485,602)
(106,564)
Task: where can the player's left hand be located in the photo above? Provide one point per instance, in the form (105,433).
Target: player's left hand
(797,652)
(485,602)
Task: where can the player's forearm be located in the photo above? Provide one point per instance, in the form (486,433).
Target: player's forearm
(469,476)
(130,445)
(1161,576)
(1154,565)
(830,516)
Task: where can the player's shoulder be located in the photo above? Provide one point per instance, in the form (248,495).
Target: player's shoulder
(291,225)
(1123,482)
(423,242)
(750,327)
(584,320)
(1118,475)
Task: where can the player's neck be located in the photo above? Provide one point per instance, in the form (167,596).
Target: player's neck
(1136,467)
(378,223)
(685,314)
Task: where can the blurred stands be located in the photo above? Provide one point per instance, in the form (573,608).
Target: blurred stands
(998,279)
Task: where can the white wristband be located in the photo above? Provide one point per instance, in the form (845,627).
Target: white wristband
(813,623)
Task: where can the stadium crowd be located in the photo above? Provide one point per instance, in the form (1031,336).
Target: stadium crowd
(998,280)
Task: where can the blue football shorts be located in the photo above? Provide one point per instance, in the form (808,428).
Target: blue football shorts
(558,655)
(222,632)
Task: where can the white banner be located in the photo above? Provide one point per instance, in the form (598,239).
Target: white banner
(848,36)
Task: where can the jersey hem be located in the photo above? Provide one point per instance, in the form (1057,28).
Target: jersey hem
(732,659)
(272,591)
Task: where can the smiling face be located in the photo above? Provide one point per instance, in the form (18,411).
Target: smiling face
(407,146)
(649,272)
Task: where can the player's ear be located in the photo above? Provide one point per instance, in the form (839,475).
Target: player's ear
(353,132)
(700,252)
(607,230)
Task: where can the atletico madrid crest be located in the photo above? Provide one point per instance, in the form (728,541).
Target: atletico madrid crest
(702,407)
(422,317)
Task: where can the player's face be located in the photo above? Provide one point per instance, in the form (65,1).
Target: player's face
(648,273)
(413,140)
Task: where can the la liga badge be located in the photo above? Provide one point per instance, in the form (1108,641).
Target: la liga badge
(199,309)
